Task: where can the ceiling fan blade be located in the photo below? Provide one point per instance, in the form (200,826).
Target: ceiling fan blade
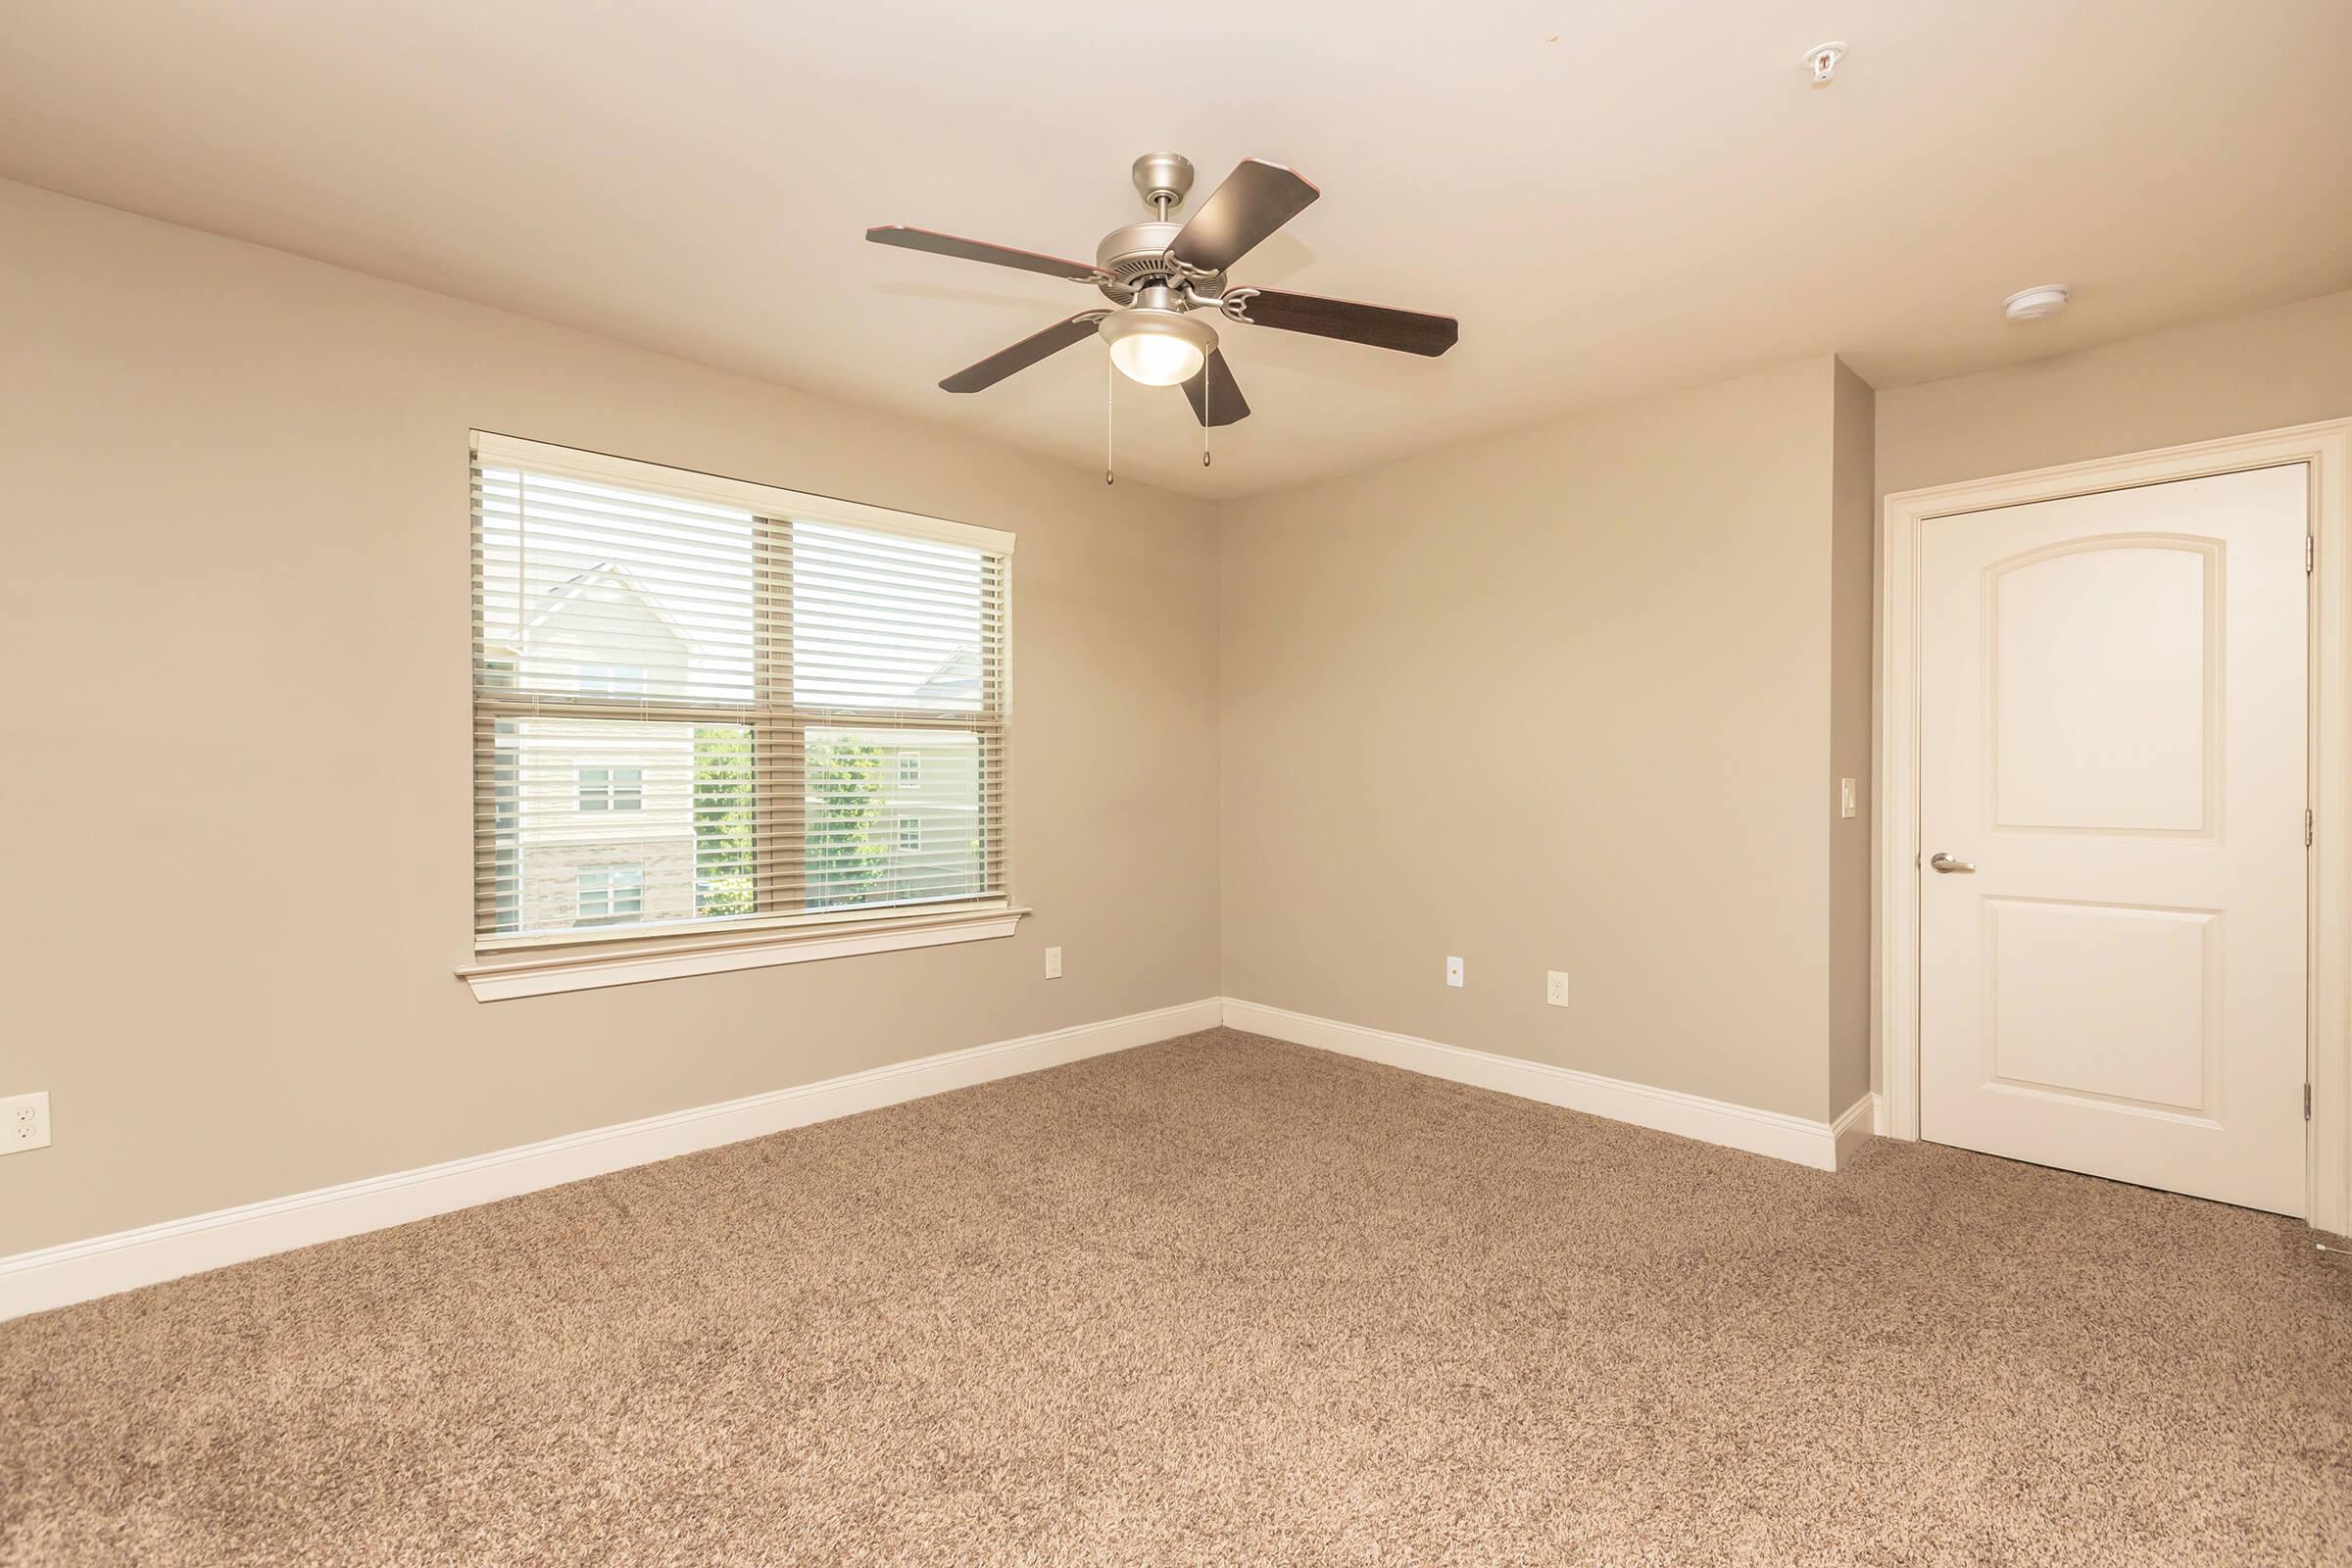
(1022,355)
(1257,199)
(1215,395)
(1408,331)
(974,250)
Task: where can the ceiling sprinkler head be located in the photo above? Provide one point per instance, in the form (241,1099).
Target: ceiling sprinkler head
(1822,60)
(2032,304)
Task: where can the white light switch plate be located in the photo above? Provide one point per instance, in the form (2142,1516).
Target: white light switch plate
(1846,797)
(1052,964)
(24,1123)
(1453,971)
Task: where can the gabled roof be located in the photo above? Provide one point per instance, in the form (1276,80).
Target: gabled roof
(957,675)
(564,594)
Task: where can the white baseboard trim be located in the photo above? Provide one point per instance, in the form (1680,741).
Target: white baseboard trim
(1819,1144)
(80,1271)
(1858,1126)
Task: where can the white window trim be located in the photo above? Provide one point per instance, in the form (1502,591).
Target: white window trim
(631,960)
(554,963)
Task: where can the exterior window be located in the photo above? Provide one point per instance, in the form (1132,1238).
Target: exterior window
(697,700)
(611,893)
(612,789)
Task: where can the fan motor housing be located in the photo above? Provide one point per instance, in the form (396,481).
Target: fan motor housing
(1137,255)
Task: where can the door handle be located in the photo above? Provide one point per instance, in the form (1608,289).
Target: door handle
(1944,862)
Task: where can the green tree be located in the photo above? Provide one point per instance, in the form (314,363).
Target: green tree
(845,855)
(722,819)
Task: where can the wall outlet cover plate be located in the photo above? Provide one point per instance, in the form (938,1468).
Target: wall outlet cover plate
(24,1123)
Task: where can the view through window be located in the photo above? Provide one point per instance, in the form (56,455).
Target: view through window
(688,712)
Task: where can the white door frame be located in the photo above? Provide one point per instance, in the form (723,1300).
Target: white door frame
(1894,921)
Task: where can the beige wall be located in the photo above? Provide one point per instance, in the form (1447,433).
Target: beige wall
(1853,660)
(234,567)
(1563,698)
(1576,697)
(1653,626)
(2261,371)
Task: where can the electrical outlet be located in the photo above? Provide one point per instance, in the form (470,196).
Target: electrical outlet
(1453,971)
(1052,964)
(1555,988)
(24,1123)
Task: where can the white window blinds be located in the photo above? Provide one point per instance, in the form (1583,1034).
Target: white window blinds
(700,704)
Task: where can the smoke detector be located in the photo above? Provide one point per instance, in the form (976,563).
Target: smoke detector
(2033,304)
(1822,60)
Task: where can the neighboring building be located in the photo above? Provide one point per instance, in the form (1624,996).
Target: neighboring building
(930,787)
(597,816)
(601,813)
(930,811)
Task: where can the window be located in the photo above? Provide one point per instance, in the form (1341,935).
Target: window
(612,789)
(724,682)
(611,892)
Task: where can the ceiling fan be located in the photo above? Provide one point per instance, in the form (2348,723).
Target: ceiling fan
(1158,274)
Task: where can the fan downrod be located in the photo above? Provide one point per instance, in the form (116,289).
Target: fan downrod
(1133,256)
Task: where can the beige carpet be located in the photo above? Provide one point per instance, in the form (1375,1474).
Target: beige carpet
(1220,1301)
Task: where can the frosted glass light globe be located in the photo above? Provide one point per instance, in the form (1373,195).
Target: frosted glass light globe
(1157,361)
(1157,347)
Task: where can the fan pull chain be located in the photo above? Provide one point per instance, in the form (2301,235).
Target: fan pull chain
(1208,390)
(1110,387)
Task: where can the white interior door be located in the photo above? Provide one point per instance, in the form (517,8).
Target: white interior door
(2114,762)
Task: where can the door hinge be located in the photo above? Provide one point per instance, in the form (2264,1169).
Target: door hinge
(2307,828)
(2311,551)
(2307,1101)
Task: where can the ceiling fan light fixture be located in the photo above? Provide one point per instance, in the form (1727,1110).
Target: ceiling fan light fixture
(1155,271)
(1156,347)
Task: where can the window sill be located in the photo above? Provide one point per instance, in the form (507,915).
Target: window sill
(580,968)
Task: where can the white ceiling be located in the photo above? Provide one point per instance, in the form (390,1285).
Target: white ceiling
(1614,197)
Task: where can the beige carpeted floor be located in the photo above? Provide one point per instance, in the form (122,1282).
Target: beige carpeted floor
(1220,1301)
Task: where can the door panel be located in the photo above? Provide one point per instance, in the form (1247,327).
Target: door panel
(2104,721)
(2114,722)
(2104,1001)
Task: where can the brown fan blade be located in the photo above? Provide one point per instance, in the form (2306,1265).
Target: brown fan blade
(1022,355)
(974,250)
(1215,395)
(1408,331)
(1257,199)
